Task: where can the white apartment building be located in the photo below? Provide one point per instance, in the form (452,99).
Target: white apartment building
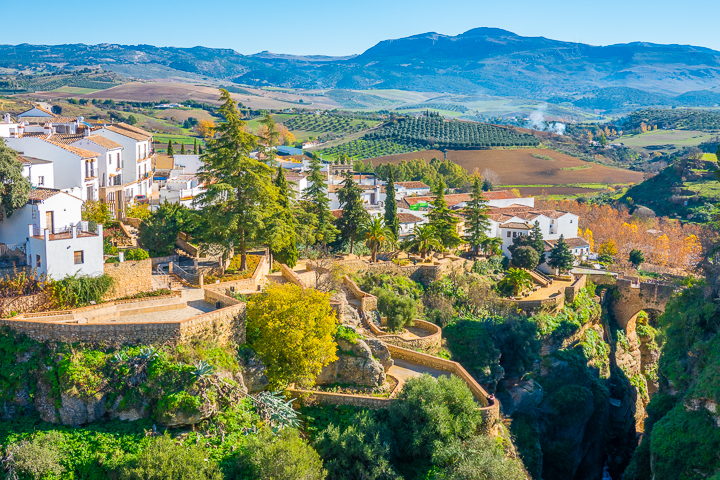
(74,169)
(136,155)
(39,172)
(57,243)
(109,161)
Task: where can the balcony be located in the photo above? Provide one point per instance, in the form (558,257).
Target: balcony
(62,233)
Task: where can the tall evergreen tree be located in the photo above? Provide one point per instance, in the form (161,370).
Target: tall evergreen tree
(200,150)
(170,150)
(270,137)
(477,221)
(536,240)
(182,149)
(195,145)
(240,194)
(281,232)
(560,256)
(317,203)
(14,187)
(442,218)
(354,215)
(391,217)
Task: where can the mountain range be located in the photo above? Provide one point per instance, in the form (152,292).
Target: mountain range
(485,61)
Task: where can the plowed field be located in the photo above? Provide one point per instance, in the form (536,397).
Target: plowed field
(520,167)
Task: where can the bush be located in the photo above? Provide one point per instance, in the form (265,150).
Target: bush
(80,290)
(400,311)
(158,232)
(358,452)
(291,329)
(38,457)
(431,412)
(481,458)
(525,257)
(283,457)
(136,254)
(163,459)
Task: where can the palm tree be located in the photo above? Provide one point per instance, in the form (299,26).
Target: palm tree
(492,246)
(377,235)
(517,279)
(424,239)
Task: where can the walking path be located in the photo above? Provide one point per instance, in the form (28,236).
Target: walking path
(404,370)
(196,305)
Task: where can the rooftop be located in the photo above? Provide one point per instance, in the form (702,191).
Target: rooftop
(103,142)
(32,160)
(572,243)
(408,218)
(38,194)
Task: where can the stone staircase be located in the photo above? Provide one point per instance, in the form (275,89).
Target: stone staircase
(540,278)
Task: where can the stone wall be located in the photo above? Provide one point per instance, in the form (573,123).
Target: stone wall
(216,297)
(307,397)
(131,277)
(14,271)
(291,276)
(220,326)
(253,283)
(182,243)
(25,304)
(572,291)
(162,260)
(368,302)
(430,343)
(423,273)
(133,222)
(530,307)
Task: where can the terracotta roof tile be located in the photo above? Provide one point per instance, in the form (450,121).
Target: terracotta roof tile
(103,142)
(336,213)
(65,139)
(412,185)
(131,128)
(82,153)
(44,120)
(408,218)
(572,243)
(516,226)
(38,194)
(127,133)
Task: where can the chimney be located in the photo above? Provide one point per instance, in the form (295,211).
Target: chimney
(6,118)
(47,129)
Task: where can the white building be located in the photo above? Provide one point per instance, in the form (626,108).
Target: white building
(408,221)
(407,189)
(137,156)
(38,171)
(36,111)
(74,169)
(579,248)
(190,164)
(109,161)
(57,242)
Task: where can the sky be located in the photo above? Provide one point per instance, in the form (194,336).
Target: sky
(342,27)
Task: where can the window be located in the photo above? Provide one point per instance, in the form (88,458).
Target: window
(79,257)
(571,221)
(41,180)
(38,263)
(508,234)
(514,234)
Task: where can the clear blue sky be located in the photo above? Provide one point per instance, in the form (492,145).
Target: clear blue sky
(341,27)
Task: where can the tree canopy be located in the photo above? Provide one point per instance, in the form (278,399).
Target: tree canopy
(240,195)
(443,219)
(14,187)
(292,330)
(477,222)
(560,256)
(391,217)
(354,215)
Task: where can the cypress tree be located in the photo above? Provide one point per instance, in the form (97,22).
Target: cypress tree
(560,256)
(195,150)
(442,218)
(170,150)
(182,149)
(536,240)
(200,150)
(288,253)
(354,215)
(477,221)
(391,217)
(240,198)
(317,203)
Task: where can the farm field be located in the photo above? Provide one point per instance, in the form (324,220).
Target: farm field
(80,90)
(527,167)
(556,191)
(664,140)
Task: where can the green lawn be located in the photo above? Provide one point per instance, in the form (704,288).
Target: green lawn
(710,156)
(665,139)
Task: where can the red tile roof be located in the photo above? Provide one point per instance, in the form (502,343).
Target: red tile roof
(408,218)
(572,243)
(412,185)
(38,194)
(516,226)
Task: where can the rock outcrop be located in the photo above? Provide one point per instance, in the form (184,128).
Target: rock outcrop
(381,352)
(254,374)
(355,365)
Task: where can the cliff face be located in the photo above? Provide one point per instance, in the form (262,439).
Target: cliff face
(682,428)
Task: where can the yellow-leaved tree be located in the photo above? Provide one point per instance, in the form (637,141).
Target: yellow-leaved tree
(608,248)
(292,331)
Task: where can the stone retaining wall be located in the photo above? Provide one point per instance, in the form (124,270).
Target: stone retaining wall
(572,291)
(133,222)
(90,308)
(368,302)
(216,297)
(24,304)
(131,277)
(431,343)
(186,247)
(424,273)
(252,283)
(162,260)
(291,275)
(220,326)
(307,397)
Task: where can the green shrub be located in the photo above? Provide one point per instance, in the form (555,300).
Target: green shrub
(80,290)
(286,456)
(136,254)
(39,457)
(359,451)
(431,412)
(81,372)
(481,458)
(396,283)
(163,459)
(400,311)
(347,334)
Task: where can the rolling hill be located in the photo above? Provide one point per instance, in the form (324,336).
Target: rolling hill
(480,61)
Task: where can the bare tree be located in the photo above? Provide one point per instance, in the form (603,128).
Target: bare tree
(328,274)
(491,177)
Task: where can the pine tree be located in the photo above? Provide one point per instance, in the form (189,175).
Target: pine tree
(560,256)
(14,187)
(354,214)
(317,203)
(536,240)
(442,218)
(281,234)
(240,195)
(170,150)
(477,221)
(182,149)
(200,150)
(195,145)
(391,217)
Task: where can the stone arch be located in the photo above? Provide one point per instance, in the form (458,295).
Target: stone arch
(632,297)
